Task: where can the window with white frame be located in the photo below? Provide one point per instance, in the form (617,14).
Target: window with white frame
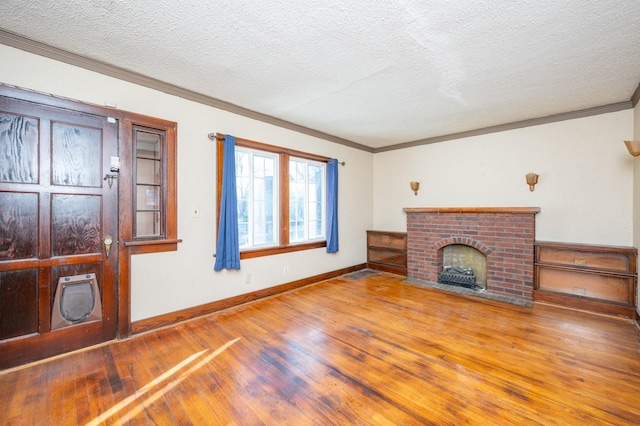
(282,198)
(257,188)
(307,195)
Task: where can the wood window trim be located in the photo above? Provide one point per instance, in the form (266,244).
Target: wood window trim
(285,153)
(126,185)
(159,205)
(170,240)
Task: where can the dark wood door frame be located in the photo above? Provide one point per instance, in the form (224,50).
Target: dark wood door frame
(125,120)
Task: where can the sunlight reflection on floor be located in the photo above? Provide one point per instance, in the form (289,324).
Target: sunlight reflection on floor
(148,387)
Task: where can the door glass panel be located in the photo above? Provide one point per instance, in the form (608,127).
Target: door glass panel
(76,155)
(18,225)
(18,148)
(76,224)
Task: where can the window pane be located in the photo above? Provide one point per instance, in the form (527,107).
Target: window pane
(243,234)
(306,200)
(242,188)
(148,224)
(256,182)
(258,166)
(300,172)
(259,237)
(148,171)
(148,145)
(242,164)
(148,197)
(316,201)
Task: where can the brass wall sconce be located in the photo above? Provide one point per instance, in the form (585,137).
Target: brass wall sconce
(633,147)
(532,180)
(415,186)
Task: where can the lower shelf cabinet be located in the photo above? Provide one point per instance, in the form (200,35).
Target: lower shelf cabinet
(590,277)
(387,251)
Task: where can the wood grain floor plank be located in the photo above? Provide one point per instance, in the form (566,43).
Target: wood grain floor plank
(301,384)
(514,364)
(222,374)
(406,388)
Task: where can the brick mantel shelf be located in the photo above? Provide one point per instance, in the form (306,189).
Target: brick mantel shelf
(505,235)
(494,210)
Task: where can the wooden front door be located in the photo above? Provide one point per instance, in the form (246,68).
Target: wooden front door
(56,209)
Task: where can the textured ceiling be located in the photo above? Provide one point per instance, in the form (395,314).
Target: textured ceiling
(377,73)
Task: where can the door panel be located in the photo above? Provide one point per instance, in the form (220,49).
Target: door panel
(75,224)
(75,155)
(55,210)
(19,155)
(18,225)
(18,303)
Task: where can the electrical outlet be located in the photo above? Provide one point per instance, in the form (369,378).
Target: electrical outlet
(248,279)
(195,212)
(286,270)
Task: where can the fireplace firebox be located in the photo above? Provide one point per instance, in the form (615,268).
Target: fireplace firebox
(456,275)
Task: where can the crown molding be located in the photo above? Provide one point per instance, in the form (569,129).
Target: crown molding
(635,97)
(619,106)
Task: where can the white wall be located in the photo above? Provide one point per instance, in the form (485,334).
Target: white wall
(636,178)
(585,189)
(166,282)
(636,189)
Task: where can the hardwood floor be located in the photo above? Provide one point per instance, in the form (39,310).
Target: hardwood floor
(370,351)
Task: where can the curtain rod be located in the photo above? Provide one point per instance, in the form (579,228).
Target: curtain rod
(214,136)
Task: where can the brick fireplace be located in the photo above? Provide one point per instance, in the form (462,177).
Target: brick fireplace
(505,235)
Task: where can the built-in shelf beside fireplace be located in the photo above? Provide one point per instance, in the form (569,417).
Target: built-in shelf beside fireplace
(387,251)
(585,276)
